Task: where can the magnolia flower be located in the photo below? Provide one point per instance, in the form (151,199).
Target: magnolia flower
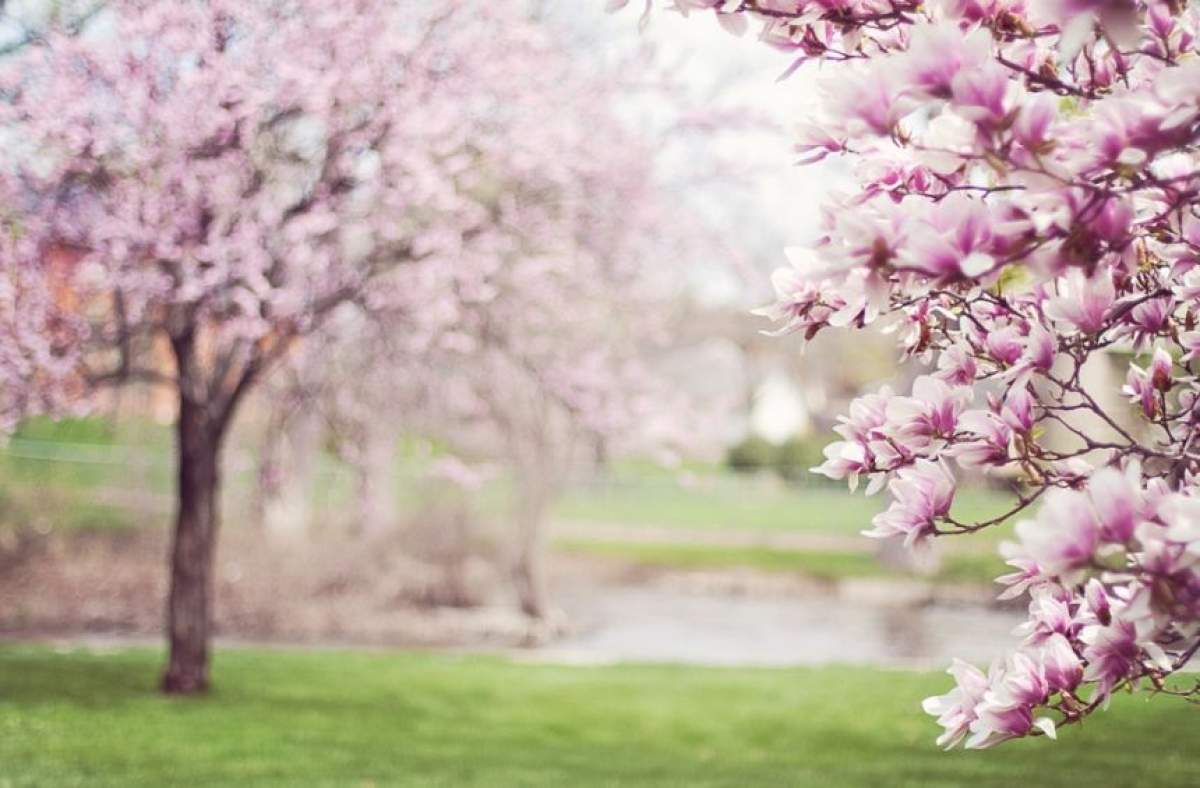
(938,53)
(956,365)
(844,460)
(1017,410)
(1082,302)
(1116,497)
(797,296)
(1028,575)
(1096,599)
(991,439)
(1060,664)
(1160,370)
(868,101)
(1048,616)
(1063,538)
(1040,348)
(1111,652)
(1032,126)
(1140,389)
(921,494)
(931,412)
(955,711)
(1007,708)
(984,95)
(1005,345)
(955,241)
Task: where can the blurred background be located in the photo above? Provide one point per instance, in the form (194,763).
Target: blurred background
(448,507)
(631,490)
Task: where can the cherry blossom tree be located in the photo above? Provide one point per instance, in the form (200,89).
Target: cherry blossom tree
(552,347)
(1027,211)
(214,179)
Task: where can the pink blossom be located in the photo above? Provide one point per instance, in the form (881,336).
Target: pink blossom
(955,242)
(991,439)
(1040,348)
(921,493)
(1032,127)
(1017,410)
(1111,652)
(1062,666)
(844,460)
(1161,366)
(939,53)
(931,412)
(1027,576)
(955,711)
(1140,389)
(1082,302)
(1007,708)
(1096,599)
(1117,500)
(1049,615)
(1005,345)
(957,365)
(1063,537)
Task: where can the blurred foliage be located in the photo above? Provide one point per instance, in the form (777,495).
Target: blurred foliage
(791,460)
(751,455)
(797,455)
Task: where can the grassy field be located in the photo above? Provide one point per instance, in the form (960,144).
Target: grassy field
(360,719)
(725,500)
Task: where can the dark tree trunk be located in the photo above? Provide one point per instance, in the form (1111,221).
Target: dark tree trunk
(189,607)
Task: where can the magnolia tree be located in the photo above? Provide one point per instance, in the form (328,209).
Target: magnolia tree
(216,178)
(1027,208)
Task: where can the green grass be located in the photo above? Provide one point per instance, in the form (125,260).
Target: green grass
(976,568)
(729,501)
(359,719)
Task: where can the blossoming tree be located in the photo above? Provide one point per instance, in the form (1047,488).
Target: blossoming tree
(1027,209)
(549,346)
(216,178)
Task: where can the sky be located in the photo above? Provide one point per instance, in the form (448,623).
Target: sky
(777,203)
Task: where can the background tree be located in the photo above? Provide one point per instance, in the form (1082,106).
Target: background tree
(216,178)
(553,348)
(1028,205)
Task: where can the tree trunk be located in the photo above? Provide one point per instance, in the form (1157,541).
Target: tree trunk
(189,608)
(529,569)
(376,482)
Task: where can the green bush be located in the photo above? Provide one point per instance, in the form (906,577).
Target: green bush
(797,454)
(751,455)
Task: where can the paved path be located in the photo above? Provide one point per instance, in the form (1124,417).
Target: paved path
(716,537)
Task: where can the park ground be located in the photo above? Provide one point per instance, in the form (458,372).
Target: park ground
(331,718)
(81,542)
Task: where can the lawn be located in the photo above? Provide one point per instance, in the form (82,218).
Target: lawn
(361,719)
(725,500)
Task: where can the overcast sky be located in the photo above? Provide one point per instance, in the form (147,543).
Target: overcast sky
(778,206)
